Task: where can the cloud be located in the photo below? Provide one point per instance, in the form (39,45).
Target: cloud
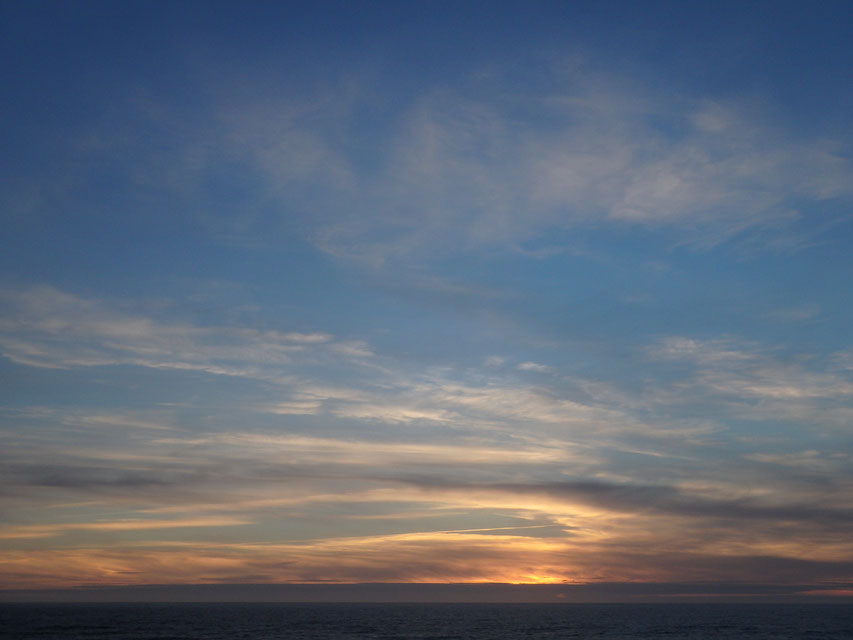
(611,482)
(446,557)
(48,530)
(470,167)
(466,171)
(754,383)
(809,460)
(560,517)
(118,421)
(632,498)
(373,455)
(438,557)
(800,313)
(533,366)
(44,327)
(456,401)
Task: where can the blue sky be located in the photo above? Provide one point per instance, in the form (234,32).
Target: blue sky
(426,292)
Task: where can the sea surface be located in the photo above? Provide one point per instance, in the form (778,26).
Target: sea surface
(428,621)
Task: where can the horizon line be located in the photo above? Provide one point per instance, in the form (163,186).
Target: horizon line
(437,593)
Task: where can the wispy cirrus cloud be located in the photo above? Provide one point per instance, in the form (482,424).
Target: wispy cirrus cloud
(48,530)
(45,327)
(418,557)
(466,170)
(467,167)
(745,373)
(267,483)
(539,459)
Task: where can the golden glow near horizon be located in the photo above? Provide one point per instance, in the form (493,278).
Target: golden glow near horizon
(572,542)
(291,509)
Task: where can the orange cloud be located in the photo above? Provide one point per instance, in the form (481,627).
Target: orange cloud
(47,530)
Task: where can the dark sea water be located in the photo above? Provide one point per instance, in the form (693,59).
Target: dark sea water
(432,621)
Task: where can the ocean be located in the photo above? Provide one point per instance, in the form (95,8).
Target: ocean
(423,622)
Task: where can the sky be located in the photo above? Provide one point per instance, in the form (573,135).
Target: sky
(551,293)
